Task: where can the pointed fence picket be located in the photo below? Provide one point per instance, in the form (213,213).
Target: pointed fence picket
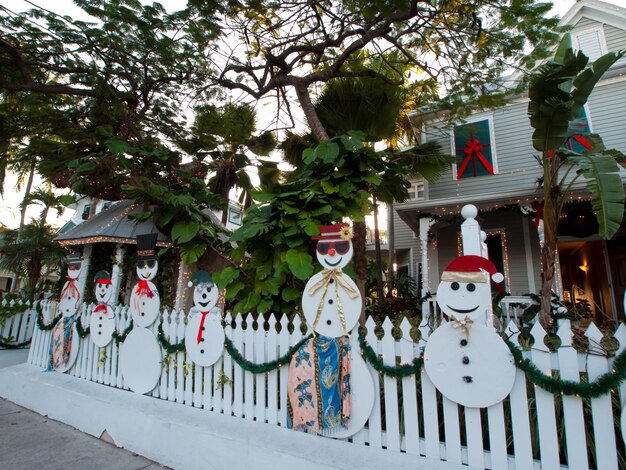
(531,429)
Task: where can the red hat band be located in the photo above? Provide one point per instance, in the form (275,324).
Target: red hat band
(330,232)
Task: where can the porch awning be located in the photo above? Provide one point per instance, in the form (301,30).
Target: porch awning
(113,225)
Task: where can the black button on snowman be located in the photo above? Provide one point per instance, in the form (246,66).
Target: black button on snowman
(466,359)
(204,335)
(102,323)
(140,355)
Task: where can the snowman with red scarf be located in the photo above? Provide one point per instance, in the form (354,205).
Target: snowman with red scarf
(330,388)
(467,361)
(140,355)
(102,322)
(204,335)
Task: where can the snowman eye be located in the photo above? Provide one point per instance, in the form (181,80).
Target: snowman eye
(454,286)
(471,287)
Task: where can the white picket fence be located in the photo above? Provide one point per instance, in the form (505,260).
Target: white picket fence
(18,328)
(530,429)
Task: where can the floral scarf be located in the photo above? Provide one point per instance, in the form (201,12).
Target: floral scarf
(318,387)
(61,343)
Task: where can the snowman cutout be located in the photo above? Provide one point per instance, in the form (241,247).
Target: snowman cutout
(466,359)
(331,304)
(102,323)
(64,338)
(204,335)
(140,355)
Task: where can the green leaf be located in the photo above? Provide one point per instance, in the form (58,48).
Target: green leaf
(264,305)
(119,146)
(140,216)
(271,285)
(191,252)
(605,184)
(300,263)
(225,277)
(291,293)
(234,289)
(182,232)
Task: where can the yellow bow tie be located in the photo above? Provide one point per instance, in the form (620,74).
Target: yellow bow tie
(464,323)
(337,275)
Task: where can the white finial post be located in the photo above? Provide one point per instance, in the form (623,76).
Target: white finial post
(470,231)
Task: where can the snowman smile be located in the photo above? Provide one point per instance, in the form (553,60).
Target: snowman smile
(458,310)
(204,304)
(332,265)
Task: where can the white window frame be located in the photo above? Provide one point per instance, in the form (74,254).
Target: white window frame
(415,182)
(599,29)
(494,155)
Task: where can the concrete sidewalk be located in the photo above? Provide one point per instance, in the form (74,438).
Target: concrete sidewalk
(29,440)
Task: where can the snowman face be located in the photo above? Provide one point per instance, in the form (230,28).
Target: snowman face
(73,270)
(205,296)
(68,304)
(334,253)
(147,269)
(464,298)
(103,292)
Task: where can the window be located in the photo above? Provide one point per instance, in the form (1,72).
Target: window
(590,41)
(474,147)
(234,215)
(418,190)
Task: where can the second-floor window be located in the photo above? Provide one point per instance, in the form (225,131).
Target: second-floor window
(418,190)
(474,149)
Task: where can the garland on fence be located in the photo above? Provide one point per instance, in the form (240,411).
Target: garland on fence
(266,366)
(82,332)
(121,337)
(600,386)
(6,344)
(40,324)
(167,346)
(399,371)
(7,311)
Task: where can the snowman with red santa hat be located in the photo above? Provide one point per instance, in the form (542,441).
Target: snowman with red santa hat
(102,322)
(467,361)
(330,388)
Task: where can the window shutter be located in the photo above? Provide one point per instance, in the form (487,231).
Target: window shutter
(591,43)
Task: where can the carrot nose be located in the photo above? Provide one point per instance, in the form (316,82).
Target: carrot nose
(332,252)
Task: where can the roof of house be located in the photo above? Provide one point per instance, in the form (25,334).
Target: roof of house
(113,225)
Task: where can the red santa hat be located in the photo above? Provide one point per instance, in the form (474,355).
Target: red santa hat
(334,232)
(472,268)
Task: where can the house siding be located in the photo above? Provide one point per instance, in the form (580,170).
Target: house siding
(607,108)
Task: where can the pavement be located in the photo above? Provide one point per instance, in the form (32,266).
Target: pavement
(31,441)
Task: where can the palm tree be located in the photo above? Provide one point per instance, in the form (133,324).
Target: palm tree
(227,135)
(558,91)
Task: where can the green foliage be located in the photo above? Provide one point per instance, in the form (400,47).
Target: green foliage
(274,249)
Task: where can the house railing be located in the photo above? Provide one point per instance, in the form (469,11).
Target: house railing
(531,428)
(17,329)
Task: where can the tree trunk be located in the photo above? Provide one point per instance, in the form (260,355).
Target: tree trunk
(379,260)
(391,241)
(312,118)
(27,189)
(359,261)
(34,273)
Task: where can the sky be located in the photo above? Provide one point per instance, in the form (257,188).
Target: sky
(9,212)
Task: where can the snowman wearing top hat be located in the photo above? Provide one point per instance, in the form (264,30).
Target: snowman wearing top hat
(102,323)
(331,304)
(204,335)
(140,356)
(466,359)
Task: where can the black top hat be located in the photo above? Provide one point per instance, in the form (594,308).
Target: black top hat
(73,259)
(146,246)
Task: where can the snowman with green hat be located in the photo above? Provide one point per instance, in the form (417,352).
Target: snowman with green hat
(204,334)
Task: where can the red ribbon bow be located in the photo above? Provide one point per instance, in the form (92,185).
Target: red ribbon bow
(473,149)
(144,289)
(100,307)
(538,208)
(204,314)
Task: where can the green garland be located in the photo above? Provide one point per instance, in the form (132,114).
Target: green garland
(399,371)
(121,337)
(6,344)
(40,324)
(82,332)
(167,346)
(7,311)
(266,366)
(600,386)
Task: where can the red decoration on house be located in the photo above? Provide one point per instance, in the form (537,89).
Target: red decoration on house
(473,152)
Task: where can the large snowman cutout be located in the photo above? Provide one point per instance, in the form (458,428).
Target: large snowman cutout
(102,323)
(204,335)
(64,339)
(465,358)
(140,355)
(331,391)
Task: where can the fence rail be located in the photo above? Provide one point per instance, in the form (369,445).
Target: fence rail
(530,429)
(17,329)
